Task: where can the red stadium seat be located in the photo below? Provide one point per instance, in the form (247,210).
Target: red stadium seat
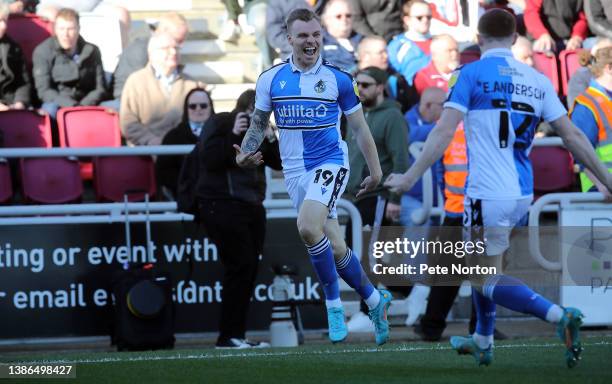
(553,170)
(88,127)
(548,66)
(115,176)
(28,30)
(25,129)
(569,65)
(52,180)
(6,187)
(468,56)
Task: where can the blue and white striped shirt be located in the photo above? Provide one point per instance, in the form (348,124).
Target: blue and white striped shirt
(307,107)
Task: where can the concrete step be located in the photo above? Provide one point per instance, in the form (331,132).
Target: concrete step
(200,54)
(214,48)
(208,19)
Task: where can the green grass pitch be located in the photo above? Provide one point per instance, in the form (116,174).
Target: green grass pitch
(516,361)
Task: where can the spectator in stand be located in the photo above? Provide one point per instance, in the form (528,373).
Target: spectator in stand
(372,52)
(599,17)
(198,108)
(409,52)
(276,31)
(339,40)
(556,24)
(67,70)
(592,113)
(15,84)
(377,18)
(22,6)
(135,56)
(581,79)
(153,97)
(444,60)
(522,51)
(49,9)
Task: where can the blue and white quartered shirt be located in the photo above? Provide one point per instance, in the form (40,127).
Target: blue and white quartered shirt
(503,101)
(307,108)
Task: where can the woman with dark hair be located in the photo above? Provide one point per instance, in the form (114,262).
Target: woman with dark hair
(231,210)
(197,110)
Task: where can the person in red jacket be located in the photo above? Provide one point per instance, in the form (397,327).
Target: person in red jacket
(556,24)
(444,60)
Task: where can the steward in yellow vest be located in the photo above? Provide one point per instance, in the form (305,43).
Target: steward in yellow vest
(592,112)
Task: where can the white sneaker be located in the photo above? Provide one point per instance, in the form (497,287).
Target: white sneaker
(230,32)
(233,343)
(360,322)
(256,344)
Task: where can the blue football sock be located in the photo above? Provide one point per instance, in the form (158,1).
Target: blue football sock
(485,314)
(350,270)
(323,262)
(515,295)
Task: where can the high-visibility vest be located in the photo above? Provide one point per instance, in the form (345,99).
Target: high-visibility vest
(600,106)
(455,172)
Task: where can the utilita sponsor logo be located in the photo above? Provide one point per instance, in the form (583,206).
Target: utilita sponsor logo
(298,111)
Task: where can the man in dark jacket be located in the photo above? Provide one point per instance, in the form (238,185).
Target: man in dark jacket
(377,17)
(68,70)
(232,212)
(15,84)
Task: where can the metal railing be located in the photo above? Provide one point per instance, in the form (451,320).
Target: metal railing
(559,200)
(96,151)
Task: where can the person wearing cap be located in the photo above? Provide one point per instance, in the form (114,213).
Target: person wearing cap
(388,128)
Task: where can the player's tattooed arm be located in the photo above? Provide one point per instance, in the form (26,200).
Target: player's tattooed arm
(256,133)
(247,155)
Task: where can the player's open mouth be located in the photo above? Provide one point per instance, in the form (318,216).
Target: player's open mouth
(310,51)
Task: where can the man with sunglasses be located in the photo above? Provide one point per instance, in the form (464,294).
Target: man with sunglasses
(339,40)
(308,97)
(410,51)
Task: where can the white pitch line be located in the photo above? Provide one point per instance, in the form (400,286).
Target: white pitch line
(209,356)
